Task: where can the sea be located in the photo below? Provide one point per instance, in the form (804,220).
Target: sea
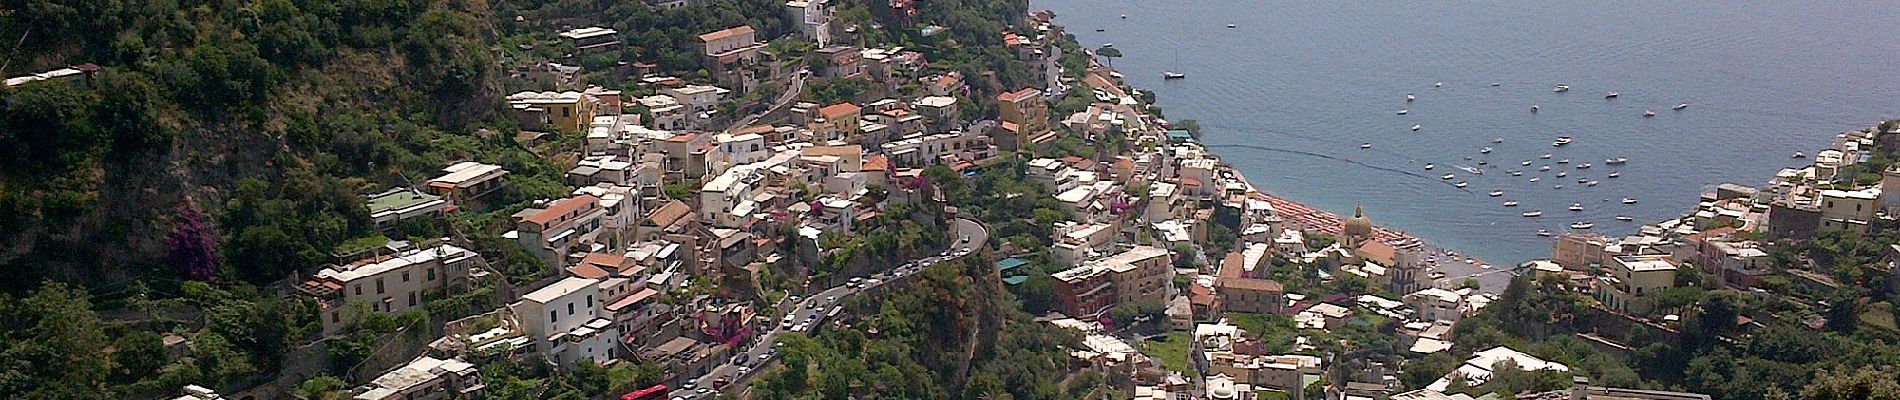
(1292,91)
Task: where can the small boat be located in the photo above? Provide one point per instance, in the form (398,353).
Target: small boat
(1534,179)
(1460,184)
(1429,166)
(1590,183)
(1525,163)
(1101,30)
(1403,112)
(1473,170)
(1365,145)
(1416,126)
(1558,187)
(1439,84)
(1560,88)
(1172,75)
(1546,156)
(1532,214)
(1448,177)
(1609,95)
(1563,161)
(1561,141)
(1410,97)
(1582,225)
(1625,218)
(1680,106)
(1576,206)
(1583,166)
(1517,173)
(1627,200)
(1614,174)
(1583,180)
(1647,114)
(1124,16)
(1230,26)
(1498,140)
(1496,193)
(1800,155)
(1533,108)
(1486,150)
(1561,174)
(1544,168)
(1543,232)
(1510,203)
(1496,84)
(1484,162)
(1615,161)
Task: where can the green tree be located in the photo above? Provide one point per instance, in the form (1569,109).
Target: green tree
(55,345)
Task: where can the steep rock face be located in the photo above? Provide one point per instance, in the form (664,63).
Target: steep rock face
(188,103)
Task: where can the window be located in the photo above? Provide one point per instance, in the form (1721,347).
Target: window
(570,308)
(359,289)
(379,285)
(405,276)
(412,299)
(590,300)
(335,318)
(552,316)
(431,274)
(567,112)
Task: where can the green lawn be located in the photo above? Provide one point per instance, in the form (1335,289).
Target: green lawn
(1878,314)
(1172,351)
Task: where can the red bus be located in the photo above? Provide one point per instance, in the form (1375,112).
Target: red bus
(655,392)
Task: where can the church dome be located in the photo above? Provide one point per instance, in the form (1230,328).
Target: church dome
(1359,225)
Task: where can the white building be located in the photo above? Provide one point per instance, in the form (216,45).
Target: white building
(567,321)
(425,378)
(386,284)
(1478,369)
(813,18)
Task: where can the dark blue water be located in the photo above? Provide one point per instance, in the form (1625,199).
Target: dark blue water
(1764,79)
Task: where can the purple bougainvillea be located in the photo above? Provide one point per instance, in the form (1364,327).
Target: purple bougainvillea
(192,245)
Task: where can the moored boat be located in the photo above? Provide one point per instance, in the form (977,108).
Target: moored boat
(1576,206)
(1582,225)
(1613,174)
(1560,88)
(1510,203)
(1627,200)
(1532,214)
(1429,166)
(1609,95)
(1625,218)
(1560,142)
(1543,232)
(1496,193)
(1680,106)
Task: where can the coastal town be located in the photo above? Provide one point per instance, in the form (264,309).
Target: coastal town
(708,225)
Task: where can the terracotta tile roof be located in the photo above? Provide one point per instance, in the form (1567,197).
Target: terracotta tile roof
(587,271)
(682,138)
(603,261)
(668,213)
(725,33)
(1010,126)
(1377,250)
(1019,95)
(839,110)
(877,163)
(947,81)
(1190,182)
(1254,284)
(561,208)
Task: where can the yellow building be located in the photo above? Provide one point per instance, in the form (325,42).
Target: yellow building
(1843,210)
(1634,281)
(842,118)
(568,111)
(1025,115)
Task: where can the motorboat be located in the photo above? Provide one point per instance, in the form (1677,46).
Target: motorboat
(1460,184)
(1230,26)
(1591,183)
(1561,174)
(1124,16)
(1625,218)
(1532,214)
(1583,166)
(1429,166)
(1365,145)
(1172,75)
(1101,30)
(1613,174)
(1560,88)
(1448,177)
(1546,156)
(1627,200)
(1534,179)
(1576,206)
(1544,168)
(1582,225)
(1583,180)
(1498,140)
(1525,163)
(1609,95)
(1557,187)
(1680,106)
(1416,126)
(1410,97)
(1510,203)
(1473,170)
(1403,112)
(1543,232)
(1615,161)
(1517,173)
(1561,141)
(1484,162)
(1486,150)
(1533,108)
(1800,155)
(1439,84)
(1647,113)
(1563,161)
(1496,193)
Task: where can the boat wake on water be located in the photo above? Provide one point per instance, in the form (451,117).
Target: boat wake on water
(1340,159)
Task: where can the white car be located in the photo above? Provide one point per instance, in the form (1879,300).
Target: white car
(800,327)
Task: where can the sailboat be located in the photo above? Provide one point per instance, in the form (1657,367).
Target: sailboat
(1171,74)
